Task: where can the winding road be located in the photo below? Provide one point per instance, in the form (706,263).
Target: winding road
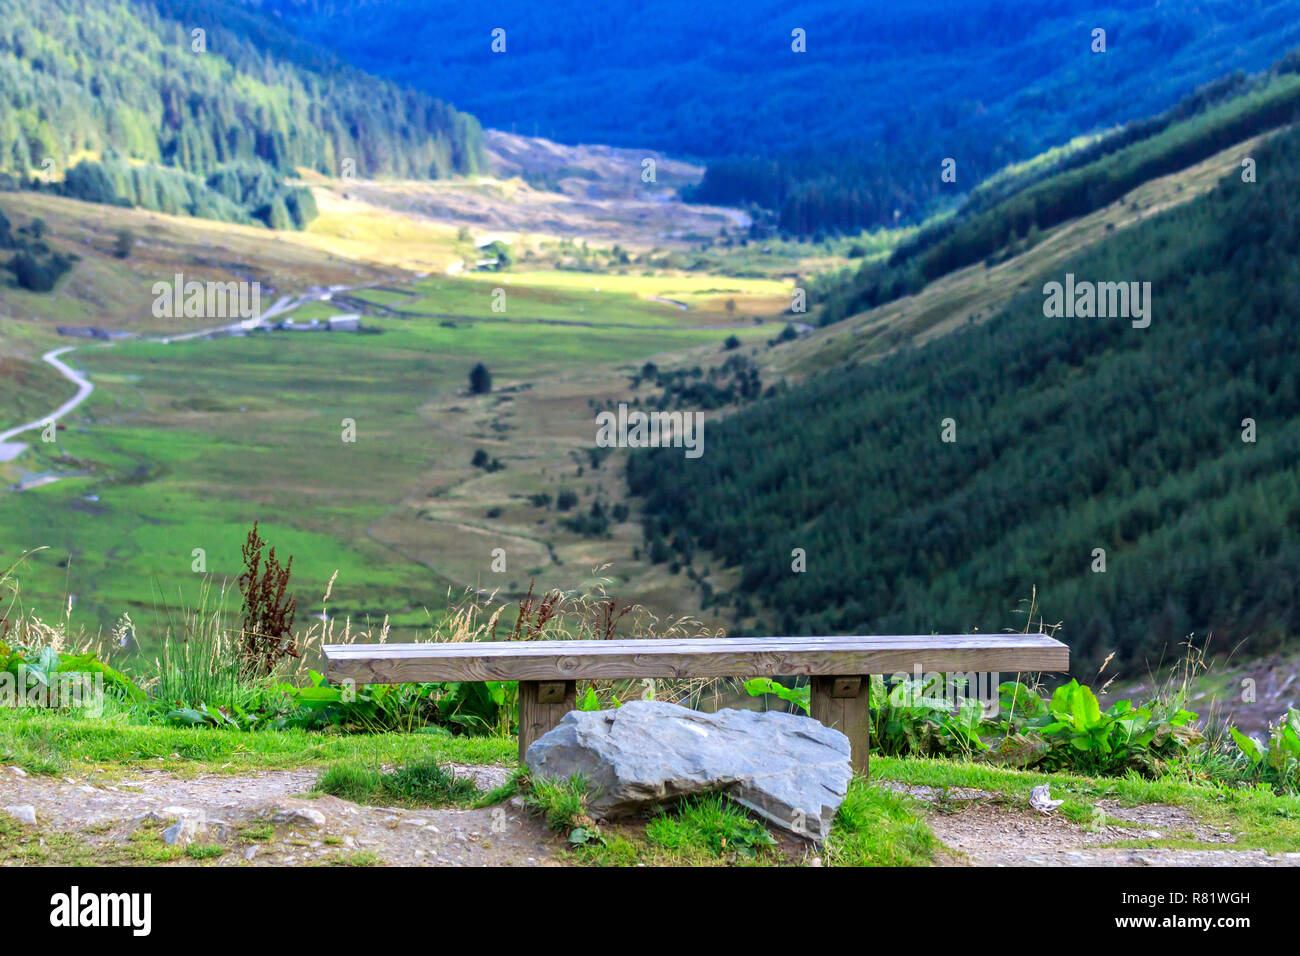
(10,450)
(84,388)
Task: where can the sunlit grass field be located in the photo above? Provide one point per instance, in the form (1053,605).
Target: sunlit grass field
(183,445)
(601,298)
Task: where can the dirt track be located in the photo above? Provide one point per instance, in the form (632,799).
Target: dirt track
(267,819)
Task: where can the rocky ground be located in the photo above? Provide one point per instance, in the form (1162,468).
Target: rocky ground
(270,819)
(980,829)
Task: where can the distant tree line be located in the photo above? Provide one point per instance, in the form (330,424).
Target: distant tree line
(245,192)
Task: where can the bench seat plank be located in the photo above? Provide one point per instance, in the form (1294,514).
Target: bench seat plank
(702,657)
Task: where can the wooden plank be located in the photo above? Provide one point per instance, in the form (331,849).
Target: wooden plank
(875,642)
(833,703)
(718,657)
(540,710)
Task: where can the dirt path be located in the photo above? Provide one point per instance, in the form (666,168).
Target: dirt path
(266,819)
(84,388)
(980,829)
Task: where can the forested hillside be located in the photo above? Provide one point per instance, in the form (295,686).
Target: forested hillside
(132,80)
(1009,214)
(837,138)
(1071,435)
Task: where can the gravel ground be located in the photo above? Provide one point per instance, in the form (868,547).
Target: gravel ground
(301,830)
(980,830)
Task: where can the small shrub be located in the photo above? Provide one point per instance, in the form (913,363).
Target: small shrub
(1278,761)
(268,609)
(123,242)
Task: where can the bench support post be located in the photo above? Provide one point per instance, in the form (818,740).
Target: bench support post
(541,705)
(841,702)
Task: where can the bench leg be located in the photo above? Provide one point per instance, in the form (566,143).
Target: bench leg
(841,702)
(541,705)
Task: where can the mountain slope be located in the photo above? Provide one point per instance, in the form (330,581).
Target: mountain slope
(1012,213)
(1071,435)
(838,137)
(131,78)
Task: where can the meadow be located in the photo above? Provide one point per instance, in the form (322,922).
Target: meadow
(183,445)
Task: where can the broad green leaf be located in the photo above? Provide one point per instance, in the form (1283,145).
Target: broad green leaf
(1248,746)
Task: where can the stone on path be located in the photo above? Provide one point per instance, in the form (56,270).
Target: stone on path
(302,816)
(790,770)
(182,832)
(25,813)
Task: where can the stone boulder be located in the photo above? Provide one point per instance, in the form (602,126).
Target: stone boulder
(790,770)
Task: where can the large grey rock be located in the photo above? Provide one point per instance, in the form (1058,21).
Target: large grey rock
(790,770)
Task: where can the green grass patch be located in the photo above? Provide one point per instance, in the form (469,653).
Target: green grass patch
(22,845)
(713,825)
(562,803)
(204,851)
(354,858)
(419,783)
(48,743)
(876,827)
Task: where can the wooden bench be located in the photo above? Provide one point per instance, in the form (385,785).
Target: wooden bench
(838,666)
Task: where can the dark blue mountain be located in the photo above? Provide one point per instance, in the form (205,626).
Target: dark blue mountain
(883,93)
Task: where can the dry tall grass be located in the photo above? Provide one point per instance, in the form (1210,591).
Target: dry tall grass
(198,657)
(585,613)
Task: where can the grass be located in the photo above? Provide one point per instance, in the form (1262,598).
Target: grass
(354,858)
(418,783)
(41,742)
(561,803)
(874,827)
(711,825)
(204,851)
(181,445)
